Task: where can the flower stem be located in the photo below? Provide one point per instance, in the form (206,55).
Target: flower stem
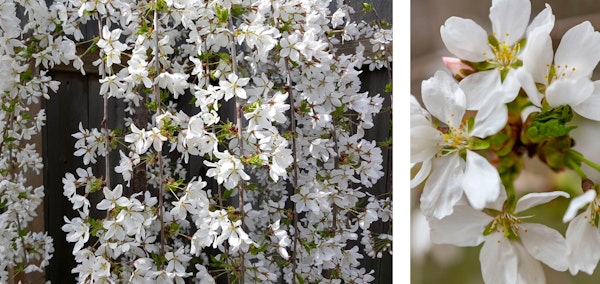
(579,157)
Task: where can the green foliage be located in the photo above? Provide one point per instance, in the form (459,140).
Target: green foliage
(256,250)
(222,14)
(159,260)
(388,88)
(545,125)
(554,150)
(174,185)
(95,226)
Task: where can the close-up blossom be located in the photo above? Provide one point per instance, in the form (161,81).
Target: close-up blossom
(566,74)
(502,50)
(440,149)
(512,249)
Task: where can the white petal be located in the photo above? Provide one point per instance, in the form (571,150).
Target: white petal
(546,245)
(418,115)
(510,19)
(530,270)
(528,84)
(578,49)
(589,108)
(569,91)
(421,174)
(499,203)
(466,39)
(537,56)
(498,260)
(423,141)
(442,189)
(479,86)
(481,181)
(544,21)
(578,203)
(581,237)
(510,86)
(443,98)
(536,198)
(490,119)
(463,228)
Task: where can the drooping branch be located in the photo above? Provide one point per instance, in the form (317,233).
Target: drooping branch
(104,122)
(288,88)
(156,89)
(239,125)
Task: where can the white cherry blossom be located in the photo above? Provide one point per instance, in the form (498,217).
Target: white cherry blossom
(440,149)
(469,41)
(565,74)
(512,249)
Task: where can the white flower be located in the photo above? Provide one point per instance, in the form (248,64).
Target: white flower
(567,77)
(233,86)
(176,83)
(156,138)
(78,232)
(111,45)
(439,149)
(469,41)
(228,170)
(582,234)
(512,250)
(113,198)
(283,240)
(138,137)
(291,47)
(178,260)
(126,164)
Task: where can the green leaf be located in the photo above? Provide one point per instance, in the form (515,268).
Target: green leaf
(366,7)
(300,279)
(227,193)
(388,88)
(222,14)
(256,250)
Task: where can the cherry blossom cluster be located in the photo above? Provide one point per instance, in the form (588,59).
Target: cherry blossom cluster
(509,96)
(278,125)
(31,44)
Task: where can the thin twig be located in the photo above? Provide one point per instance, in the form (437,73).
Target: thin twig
(158,112)
(288,88)
(238,111)
(104,122)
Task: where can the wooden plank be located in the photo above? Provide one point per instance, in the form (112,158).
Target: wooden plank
(64,111)
(374,82)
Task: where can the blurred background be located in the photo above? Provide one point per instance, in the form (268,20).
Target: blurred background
(432,263)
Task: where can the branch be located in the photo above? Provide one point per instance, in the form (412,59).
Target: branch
(156,90)
(104,121)
(238,112)
(288,88)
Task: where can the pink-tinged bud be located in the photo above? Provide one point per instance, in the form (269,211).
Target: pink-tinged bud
(458,68)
